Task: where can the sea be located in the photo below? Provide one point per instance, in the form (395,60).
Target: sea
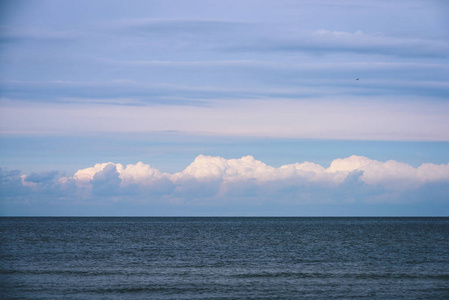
(224,258)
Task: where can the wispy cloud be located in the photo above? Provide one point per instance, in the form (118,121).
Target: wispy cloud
(20,34)
(223,35)
(348,66)
(175,25)
(371,119)
(357,42)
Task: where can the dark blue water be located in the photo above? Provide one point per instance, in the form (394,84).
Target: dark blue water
(194,258)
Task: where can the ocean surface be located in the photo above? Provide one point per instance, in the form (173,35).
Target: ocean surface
(224,258)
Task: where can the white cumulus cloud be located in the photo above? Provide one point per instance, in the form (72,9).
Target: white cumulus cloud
(392,175)
(219,182)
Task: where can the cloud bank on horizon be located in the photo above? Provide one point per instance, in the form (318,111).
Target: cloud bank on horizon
(216,181)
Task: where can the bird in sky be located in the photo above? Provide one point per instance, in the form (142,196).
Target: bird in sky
(357,79)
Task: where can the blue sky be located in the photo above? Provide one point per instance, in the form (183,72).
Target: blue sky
(191,88)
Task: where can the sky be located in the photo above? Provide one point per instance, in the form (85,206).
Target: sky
(224,108)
